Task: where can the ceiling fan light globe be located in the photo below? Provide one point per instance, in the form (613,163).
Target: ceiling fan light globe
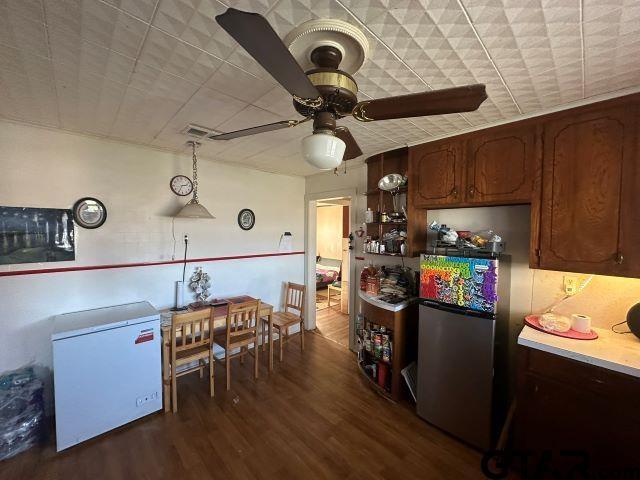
(323,151)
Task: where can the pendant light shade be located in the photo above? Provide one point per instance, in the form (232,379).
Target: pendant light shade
(193,209)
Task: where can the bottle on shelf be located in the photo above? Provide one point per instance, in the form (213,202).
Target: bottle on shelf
(368,216)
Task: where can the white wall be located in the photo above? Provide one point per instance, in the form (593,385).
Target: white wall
(45,168)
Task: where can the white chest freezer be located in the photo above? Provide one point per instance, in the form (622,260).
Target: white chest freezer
(106,369)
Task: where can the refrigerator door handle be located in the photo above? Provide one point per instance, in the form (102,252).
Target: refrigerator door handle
(457,310)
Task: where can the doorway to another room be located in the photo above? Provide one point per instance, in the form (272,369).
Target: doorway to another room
(332,269)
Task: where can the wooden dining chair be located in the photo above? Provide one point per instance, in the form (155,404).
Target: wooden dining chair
(191,341)
(293,315)
(240,332)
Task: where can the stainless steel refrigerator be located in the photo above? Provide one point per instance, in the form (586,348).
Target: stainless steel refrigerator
(462,351)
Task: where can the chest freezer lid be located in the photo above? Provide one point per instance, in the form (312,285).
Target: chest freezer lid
(90,321)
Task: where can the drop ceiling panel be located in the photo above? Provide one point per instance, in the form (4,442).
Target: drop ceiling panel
(87,101)
(141,70)
(96,22)
(169,54)
(18,30)
(239,84)
(71,52)
(143,9)
(192,22)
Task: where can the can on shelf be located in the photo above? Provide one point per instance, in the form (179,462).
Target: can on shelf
(386,348)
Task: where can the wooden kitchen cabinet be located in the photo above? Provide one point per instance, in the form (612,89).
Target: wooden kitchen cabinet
(500,166)
(566,406)
(435,174)
(589,197)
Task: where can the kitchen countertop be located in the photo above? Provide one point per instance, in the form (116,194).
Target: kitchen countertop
(613,351)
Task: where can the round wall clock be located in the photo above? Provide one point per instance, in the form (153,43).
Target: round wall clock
(246,219)
(181,185)
(89,212)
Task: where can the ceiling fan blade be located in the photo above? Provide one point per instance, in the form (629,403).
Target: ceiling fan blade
(352,150)
(259,39)
(436,102)
(269,127)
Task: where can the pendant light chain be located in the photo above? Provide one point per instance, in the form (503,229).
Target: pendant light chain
(195,173)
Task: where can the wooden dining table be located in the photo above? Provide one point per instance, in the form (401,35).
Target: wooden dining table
(219,320)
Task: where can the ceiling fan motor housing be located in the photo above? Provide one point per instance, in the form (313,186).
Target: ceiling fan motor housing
(322,46)
(338,89)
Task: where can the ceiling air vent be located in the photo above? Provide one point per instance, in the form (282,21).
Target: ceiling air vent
(199,132)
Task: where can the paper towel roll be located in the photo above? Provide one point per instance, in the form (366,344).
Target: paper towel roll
(581,323)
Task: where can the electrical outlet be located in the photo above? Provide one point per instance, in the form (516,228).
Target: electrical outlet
(147,398)
(570,284)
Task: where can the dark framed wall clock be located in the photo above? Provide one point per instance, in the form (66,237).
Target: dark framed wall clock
(181,185)
(246,219)
(89,212)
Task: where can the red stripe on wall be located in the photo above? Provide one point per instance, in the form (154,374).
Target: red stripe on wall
(143,264)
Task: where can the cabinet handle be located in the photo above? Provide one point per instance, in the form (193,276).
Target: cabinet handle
(619,258)
(472,191)
(454,192)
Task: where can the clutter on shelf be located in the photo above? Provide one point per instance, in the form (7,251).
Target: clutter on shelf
(392,285)
(482,240)
(393,242)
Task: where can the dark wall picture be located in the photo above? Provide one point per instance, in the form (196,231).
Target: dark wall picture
(32,235)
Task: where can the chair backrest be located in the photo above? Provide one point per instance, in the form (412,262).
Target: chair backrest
(191,330)
(242,318)
(294,298)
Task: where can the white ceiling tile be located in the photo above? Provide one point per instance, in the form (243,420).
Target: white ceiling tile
(88,102)
(194,23)
(19,31)
(31,9)
(238,84)
(171,55)
(149,104)
(28,98)
(97,23)
(143,9)
(74,53)
(27,65)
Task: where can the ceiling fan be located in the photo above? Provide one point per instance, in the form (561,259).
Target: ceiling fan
(324,93)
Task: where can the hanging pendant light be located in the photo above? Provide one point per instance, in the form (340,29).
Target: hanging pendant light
(193,209)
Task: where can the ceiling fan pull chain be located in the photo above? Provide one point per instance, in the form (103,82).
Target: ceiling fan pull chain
(312,103)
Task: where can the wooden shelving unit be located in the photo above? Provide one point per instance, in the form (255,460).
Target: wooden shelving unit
(402,327)
(394,161)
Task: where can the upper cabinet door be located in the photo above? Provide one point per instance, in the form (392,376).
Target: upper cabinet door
(587,201)
(501,166)
(436,174)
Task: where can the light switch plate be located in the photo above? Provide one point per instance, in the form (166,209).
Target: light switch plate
(570,284)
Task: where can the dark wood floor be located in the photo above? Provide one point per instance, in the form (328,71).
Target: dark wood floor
(313,418)
(334,325)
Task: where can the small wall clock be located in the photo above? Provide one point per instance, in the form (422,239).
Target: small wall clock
(181,185)
(246,219)
(89,212)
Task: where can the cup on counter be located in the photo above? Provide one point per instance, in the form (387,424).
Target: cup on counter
(581,323)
